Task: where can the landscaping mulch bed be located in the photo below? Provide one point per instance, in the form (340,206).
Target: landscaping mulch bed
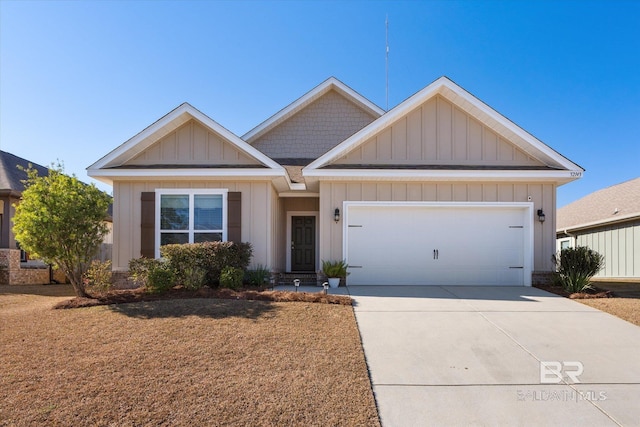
(140,294)
(588,294)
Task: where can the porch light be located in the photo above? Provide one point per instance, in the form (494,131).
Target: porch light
(336,215)
(541,216)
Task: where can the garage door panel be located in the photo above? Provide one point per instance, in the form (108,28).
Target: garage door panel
(427,245)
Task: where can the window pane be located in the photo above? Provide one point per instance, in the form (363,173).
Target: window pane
(174,212)
(207,212)
(170,238)
(207,237)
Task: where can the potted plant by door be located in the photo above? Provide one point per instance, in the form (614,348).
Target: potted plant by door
(334,270)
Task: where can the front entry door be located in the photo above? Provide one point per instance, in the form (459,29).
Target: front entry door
(303,243)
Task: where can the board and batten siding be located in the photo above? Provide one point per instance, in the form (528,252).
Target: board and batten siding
(543,196)
(437,132)
(620,245)
(191,144)
(257,211)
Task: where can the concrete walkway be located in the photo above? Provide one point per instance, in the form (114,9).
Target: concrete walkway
(471,356)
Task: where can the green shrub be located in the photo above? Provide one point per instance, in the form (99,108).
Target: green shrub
(139,269)
(194,277)
(210,256)
(99,276)
(575,267)
(231,277)
(161,278)
(258,276)
(335,268)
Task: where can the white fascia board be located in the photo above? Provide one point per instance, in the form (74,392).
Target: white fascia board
(184,173)
(167,124)
(460,98)
(131,144)
(599,223)
(306,99)
(448,175)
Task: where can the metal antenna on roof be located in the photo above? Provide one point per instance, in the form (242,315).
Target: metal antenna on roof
(386,60)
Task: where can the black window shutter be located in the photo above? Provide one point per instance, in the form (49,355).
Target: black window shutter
(148,225)
(234,217)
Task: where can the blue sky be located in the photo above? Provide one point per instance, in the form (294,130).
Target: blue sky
(79,78)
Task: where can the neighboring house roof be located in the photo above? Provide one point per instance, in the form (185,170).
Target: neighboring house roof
(11,176)
(559,167)
(617,203)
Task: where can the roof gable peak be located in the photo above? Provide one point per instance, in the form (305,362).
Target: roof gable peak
(329,84)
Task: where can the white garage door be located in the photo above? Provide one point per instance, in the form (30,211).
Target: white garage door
(421,244)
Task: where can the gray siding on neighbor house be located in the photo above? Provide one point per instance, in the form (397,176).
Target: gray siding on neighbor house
(620,245)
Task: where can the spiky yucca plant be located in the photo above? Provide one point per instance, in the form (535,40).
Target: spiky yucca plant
(576,266)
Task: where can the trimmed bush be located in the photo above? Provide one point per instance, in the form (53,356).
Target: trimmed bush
(231,277)
(139,269)
(194,277)
(212,257)
(575,267)
(259,276)
(99,275)
(161,278)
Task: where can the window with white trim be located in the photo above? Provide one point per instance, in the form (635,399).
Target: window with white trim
(191,215)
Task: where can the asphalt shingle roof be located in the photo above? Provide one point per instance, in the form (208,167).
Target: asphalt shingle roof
(10,176)
(618,201)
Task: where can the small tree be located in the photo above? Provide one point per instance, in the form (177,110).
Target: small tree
(61,221)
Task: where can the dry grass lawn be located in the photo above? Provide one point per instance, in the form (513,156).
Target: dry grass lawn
(179,362)
(626,305)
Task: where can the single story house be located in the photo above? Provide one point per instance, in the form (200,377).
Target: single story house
(440,190)
(607,221)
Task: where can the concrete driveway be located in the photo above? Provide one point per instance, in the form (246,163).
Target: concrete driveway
(472,356)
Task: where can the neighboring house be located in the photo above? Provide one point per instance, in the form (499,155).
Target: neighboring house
(16,267)
(607,221)
(440,190)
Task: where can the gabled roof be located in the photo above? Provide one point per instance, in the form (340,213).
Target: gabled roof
(330,84)
(619,202)
(11,176)
(469,104)
(163,127)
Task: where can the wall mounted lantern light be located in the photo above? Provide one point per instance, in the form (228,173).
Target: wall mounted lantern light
(541,216)
(336,215)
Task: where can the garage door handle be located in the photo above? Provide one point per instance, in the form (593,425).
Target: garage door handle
(355,266)
(516,267)
(436,254)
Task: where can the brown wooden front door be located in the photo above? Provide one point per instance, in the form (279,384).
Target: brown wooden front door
(303,243)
